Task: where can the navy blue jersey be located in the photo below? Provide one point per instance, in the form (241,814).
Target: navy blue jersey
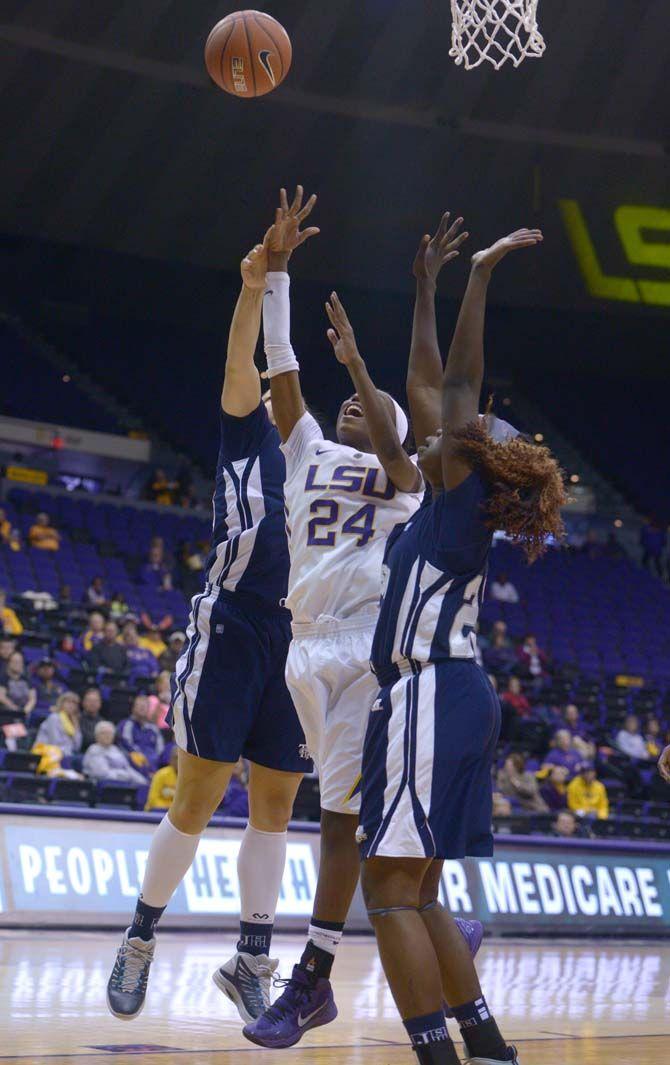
(249,548)
(434,575)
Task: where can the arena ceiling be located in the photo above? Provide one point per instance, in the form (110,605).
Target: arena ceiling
(113,136)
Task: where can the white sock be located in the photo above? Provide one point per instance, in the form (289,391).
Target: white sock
(260,868)
(171,855)
(327,939)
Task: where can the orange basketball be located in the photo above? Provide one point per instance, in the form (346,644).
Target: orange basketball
(248,53)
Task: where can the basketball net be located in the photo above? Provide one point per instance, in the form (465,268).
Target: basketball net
(495,31)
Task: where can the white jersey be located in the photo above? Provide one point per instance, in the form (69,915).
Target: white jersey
(341,508)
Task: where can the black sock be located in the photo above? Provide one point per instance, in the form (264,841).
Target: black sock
(480,1031)
(145,920)
(255,938)
(430,1039)
(317,962)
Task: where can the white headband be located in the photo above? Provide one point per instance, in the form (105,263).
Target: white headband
(401,422)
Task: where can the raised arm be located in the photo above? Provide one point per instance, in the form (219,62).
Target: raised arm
(241,383)
(464,372)
(283,369)
(377,407)
(424,372)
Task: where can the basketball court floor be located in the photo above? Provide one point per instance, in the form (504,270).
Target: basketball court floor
(562,1003)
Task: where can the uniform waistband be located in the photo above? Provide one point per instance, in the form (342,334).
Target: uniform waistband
(325,626)
(252,603)
(391,673)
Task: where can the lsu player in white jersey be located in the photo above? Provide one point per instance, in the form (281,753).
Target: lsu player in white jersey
(342,498)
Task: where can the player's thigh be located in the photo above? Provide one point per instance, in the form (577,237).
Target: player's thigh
(216,704)
(272,793)
(308,692)
(201,785)
(430,885)
(346,723)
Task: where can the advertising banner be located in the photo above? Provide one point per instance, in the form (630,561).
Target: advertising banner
(83,872)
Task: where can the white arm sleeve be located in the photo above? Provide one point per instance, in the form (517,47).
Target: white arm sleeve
(277,324)
(306,430)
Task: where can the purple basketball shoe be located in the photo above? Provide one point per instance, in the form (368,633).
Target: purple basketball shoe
(303,1005)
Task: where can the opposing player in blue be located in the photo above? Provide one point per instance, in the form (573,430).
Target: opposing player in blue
(432,732)
(229,693)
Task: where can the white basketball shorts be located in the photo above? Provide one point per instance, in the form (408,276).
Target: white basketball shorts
(328,675)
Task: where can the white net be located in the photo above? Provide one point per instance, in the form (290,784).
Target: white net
(495,31)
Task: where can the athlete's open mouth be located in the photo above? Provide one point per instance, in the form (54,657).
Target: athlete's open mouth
(353,410)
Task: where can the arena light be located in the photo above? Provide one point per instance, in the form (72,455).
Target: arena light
(539,437)
(574,477)
(618,523)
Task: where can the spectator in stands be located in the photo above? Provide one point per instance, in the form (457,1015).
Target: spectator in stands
(118,607)
(108,655)
(65,595)
(532,659)
(95,631)
(152,639)
(160,489)
(630,740)
(563,753)
(653,538)
(105,761)
(154,570)
(142,662)
(503,591)
(516,783)
(9,622)
(61,727)
(514,697)
(96,594)
(159,700)
(47,689)
(236,800)
(565,825)
(571,719)
(43,535)
(164,785)
(175,645)
(652,737)
(7,649)
(499,656)
(91,710)
(5,526)
(587,796)
(67,656)
(553,788)
(140,737)
(16,693)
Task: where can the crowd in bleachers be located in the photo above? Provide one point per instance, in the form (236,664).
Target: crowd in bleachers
(93,612)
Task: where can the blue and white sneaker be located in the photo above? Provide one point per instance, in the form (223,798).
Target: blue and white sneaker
(303,1005)
(245,980)
(473,934)
(127,986)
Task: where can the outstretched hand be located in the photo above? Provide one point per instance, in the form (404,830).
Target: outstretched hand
(254,267)
(435,251)
(286,235)
(521,238)
(341,335)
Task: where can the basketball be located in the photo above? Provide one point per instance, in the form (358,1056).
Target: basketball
(248,53)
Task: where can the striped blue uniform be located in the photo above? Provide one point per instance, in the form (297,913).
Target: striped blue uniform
(229,693)
(432,732)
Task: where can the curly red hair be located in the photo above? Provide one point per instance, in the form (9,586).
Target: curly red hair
(527,486)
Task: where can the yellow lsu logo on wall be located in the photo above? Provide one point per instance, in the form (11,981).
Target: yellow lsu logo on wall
(634,226)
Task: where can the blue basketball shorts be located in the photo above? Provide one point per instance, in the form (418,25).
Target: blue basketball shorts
(229,693)
(427,761)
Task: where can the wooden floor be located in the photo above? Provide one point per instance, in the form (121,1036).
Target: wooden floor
(585,1003)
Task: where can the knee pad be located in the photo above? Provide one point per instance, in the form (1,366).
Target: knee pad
(385,910)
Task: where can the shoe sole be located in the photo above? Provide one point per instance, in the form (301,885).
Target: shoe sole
(317,1022)
(230,991)
(123,1016)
